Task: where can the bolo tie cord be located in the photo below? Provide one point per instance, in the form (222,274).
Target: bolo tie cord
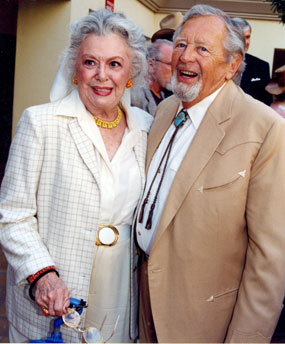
(178,122)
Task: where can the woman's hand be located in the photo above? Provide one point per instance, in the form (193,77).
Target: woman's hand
(51,293)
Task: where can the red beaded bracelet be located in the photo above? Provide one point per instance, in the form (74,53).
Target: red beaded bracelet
(31,278)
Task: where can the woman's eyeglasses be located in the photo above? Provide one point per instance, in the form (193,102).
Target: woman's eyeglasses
(72,319)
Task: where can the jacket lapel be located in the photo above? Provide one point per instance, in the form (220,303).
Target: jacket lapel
(207,139)
(86,148)
(160,126)
(72,107)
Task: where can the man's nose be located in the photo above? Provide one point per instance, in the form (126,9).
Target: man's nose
(188,54)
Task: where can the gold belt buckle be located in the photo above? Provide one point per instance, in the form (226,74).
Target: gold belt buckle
(107,235)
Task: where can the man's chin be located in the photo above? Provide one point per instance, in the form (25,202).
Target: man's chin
(185,92)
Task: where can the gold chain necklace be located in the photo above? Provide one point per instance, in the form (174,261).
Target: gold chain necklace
(109,125)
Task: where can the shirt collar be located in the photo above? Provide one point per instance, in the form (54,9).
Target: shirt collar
(198,111)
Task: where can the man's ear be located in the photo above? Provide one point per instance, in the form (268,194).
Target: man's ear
(233,66)
(151,63)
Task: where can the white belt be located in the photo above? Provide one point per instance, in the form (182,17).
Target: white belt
(108,235)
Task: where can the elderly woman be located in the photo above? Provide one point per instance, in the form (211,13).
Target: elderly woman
(73,179)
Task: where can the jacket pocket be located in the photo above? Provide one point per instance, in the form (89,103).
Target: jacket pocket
(212,298)
(222,186)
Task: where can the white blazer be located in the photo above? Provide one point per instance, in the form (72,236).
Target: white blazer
(50,203)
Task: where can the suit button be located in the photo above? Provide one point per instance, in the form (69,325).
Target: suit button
(139,233)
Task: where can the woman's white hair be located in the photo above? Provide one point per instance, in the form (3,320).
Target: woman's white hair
(235,42)
(102,23)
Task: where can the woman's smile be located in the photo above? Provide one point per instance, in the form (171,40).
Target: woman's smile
(102,91)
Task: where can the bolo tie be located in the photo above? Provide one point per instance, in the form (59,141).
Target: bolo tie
(178,121)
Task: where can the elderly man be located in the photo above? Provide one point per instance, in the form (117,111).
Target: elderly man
(211,221)
(159,76)
(257,72)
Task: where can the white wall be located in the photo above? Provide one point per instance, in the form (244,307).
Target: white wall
(133,10)
(42,31)
(80,8)
(139,14)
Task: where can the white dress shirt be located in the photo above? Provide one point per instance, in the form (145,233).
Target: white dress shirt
(120,178)
(180,146)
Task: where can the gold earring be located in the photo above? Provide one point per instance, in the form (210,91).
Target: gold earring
(129,83)
(75,80)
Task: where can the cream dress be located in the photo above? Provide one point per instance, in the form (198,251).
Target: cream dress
(120,184)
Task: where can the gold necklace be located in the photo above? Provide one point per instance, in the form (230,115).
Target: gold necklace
(109,125)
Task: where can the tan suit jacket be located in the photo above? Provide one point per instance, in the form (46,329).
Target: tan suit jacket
(217,267)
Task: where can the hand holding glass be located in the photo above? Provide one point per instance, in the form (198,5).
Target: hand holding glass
(72,319)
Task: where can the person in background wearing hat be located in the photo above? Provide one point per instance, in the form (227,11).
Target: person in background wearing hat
(159,75)
(277,88)
(257,73)
(168,25)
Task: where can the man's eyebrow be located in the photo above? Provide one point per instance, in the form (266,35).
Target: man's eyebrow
(203,41)
(179,38)
(198,41)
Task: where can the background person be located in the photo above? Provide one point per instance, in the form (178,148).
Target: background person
(211,220)
(76,165)
(168,25)
(257,72)
(158,79)
(276,87)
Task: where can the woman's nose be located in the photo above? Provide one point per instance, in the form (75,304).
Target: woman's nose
(101,73)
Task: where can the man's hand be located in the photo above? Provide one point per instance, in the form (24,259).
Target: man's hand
(51,293)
